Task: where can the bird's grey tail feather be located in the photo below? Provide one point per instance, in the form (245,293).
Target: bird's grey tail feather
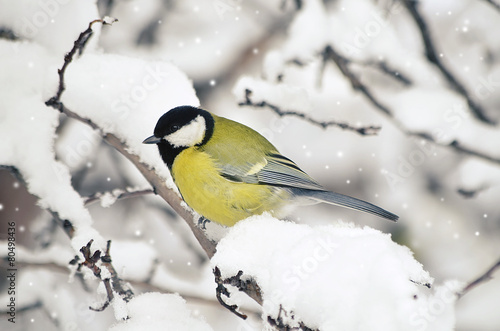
(345,201)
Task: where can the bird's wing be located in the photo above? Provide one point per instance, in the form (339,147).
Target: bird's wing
(273,169)
(282,171)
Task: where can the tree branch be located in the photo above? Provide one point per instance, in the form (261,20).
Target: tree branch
(486,276)
(454,145)
(430,52)
(146,284)
(386,68)
(90,260)
(222,290)
(342,63)
(78,46)
(365,131)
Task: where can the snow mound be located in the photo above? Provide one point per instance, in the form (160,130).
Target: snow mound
(335,277)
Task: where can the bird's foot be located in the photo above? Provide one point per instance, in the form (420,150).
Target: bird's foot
(202,222)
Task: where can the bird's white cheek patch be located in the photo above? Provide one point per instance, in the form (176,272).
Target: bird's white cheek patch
(189,135)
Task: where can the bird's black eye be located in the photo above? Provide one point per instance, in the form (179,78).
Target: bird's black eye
(174,127)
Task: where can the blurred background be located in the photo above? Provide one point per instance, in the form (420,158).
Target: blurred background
(426,76)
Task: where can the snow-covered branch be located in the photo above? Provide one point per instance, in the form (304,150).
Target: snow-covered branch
(94,260)
(158,184)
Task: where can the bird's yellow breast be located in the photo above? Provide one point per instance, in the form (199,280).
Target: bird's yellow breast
(215,197)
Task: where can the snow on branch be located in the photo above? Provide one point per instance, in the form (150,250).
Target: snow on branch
(158,183)
(432,55)
(222,290)
(307,270)
(93,259)
(280,324)
(110,279)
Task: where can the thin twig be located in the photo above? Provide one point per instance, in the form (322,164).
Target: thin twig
(366,131)
(121,196)
(342,63)
(119,286)
(455,145)
(432,55)
(222,290)
(90,262)
(78,45)
(486,276)
(386,68)
(469,194)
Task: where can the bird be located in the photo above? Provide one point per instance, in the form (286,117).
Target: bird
(226,171)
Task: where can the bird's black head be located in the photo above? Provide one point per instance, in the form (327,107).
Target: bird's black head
(180,128)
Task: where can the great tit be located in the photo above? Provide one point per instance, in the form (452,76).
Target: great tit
(226,171)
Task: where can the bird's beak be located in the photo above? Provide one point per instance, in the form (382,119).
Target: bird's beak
(152,140)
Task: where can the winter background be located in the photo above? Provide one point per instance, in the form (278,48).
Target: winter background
(435,161)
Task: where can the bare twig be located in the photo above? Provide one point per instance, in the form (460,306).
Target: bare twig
(118,196)
(386,68)
(248,286)
(454,145)
(342,63)
(119,286)
(366,131)
(432,55)
(110,284)
(78,46)
(222,290)
(469,194)
(486,276)
(90,262)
